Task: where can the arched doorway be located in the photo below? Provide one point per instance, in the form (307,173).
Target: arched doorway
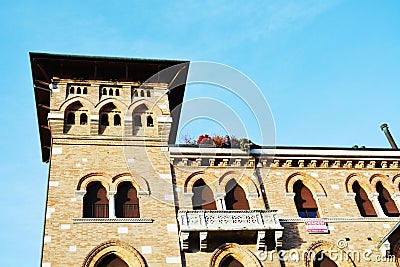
(111,260)
(231,262)
(203,197)
(321,260)
(235,198)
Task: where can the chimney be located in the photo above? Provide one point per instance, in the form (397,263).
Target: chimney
(385,129)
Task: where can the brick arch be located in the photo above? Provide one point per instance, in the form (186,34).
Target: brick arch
(93,177)
(137,181)
(384,179)
(321,245)
(309,181)
(149,105)
(127,253)
(396,182)
(352,178)
(243,255)
(84,101)
(244,181)
(209,179)
(121,106)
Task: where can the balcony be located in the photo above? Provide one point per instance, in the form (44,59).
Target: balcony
(227,220)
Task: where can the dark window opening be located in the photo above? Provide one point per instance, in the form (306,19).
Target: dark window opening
(235,198)
(138,120)
(231,262)
(117,120)
(321,260)
(83,119)
(363,203)
(95,201)
(117,92)
(110,92)
(71,90)
(104,120)
(78,90)
(304,200)
(386,201)
(203,197)
(150,121)
(111,260)
(85,91)
(136,93)
(104,91)
(148,93)
(71,118)
(141,93)
(126,201)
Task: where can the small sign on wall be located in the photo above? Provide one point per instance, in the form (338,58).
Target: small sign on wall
(316,227)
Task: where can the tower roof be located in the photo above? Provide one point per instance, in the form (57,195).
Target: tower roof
(45,67)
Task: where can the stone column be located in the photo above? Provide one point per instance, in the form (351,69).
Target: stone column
(220,201)
(111,204)
(375,202)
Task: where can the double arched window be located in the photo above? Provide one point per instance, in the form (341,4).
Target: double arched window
(75,114)
(96,203)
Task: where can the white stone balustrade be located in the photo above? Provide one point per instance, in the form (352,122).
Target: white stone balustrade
(228,220)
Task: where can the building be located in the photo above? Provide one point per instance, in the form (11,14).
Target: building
(121,194)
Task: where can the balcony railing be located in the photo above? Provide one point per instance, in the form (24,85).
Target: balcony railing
(228,220)
(130,211)
(100,210)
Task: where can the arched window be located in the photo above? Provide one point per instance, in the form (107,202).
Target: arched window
(386,201)
(321,260)
(71,118)
(85,91)
(95,201)
(363,203)
(148,93)
(78,90)
(104,91)
(231,262)
(110,92)
(305,203)
(138,120)
(111,260)
(117,120)
(71,90)
(83,119)
(117,92)
(150,121)
(104,120)
(203,197)
(136,94)
(126,201)
(235,198)
(141,93)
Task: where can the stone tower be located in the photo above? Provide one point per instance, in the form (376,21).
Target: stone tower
(105,124)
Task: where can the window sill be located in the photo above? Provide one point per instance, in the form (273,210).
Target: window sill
(112,220)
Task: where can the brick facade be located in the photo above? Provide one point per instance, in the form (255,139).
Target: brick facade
(135,150)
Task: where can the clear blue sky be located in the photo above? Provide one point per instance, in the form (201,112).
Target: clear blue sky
(330,71)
